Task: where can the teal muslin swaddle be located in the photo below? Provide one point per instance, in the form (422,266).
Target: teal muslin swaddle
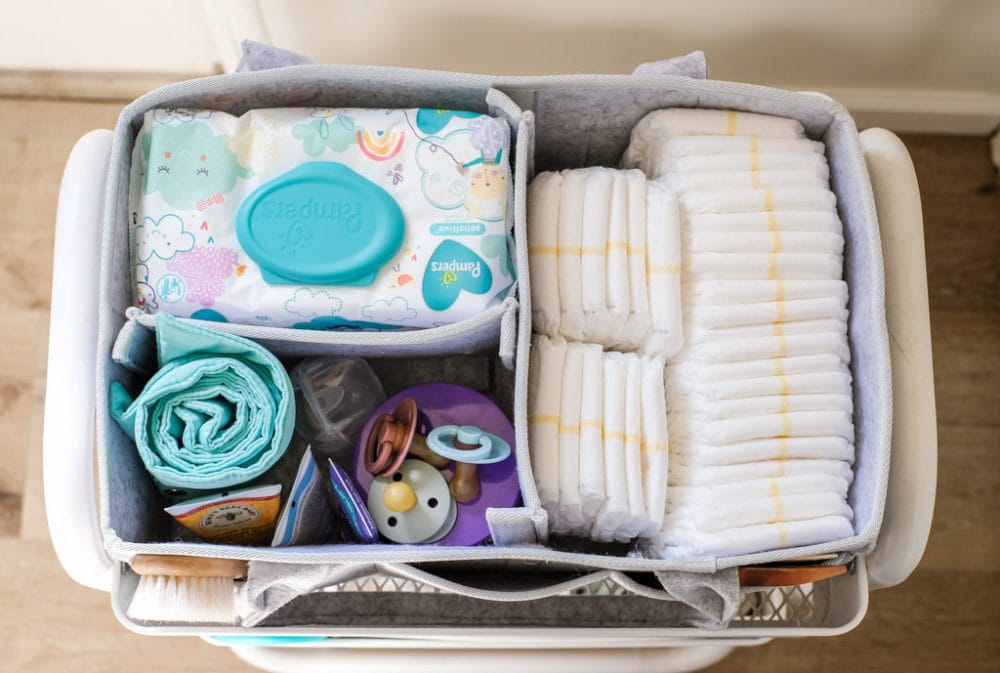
(218,412)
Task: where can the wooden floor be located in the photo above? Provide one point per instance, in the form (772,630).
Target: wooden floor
(945,618)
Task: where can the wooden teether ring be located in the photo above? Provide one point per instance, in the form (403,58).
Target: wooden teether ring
(390,438)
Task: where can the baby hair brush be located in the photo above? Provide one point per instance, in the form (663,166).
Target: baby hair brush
(186,589)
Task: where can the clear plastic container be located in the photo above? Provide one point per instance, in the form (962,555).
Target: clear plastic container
(334,397)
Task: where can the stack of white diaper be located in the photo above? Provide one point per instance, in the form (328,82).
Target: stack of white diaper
(759,398)
(602,245)
(597,427)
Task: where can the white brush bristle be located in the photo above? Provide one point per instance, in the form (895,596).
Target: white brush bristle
(190,600)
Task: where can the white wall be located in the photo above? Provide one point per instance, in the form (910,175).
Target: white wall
(937,55)
(106,35)
(899,44)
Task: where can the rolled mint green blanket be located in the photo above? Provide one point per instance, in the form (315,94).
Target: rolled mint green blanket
(218,412)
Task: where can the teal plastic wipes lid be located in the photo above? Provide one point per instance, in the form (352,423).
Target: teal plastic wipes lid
(320,223)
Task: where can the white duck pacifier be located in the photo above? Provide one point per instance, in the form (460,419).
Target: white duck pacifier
(412,505)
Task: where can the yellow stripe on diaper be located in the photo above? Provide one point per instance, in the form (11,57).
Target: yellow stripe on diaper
(782,535)
(591,423)
(779,510)
(773,490)
(569,429)
(754,158)
(666,269)
(544,418)
(779,334)
(567,250)
(786,425)
(543,250)
(622,436)
(731,125)
(772,226)
(779,371)
(629,249)
(654,446)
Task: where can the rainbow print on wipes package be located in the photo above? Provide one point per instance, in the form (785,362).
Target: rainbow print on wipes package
(321,218)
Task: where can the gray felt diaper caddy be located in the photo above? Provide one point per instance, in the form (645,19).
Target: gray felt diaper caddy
(524,578)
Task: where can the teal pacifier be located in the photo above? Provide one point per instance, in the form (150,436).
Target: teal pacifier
(488,447)
(468,446)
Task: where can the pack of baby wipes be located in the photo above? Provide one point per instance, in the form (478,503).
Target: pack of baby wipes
(321,218)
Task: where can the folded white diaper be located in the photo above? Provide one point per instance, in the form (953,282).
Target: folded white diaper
(778,346)
(755,291)
(740,315)
(571,210)
(636,523)
(725,494)
(692,121)
(683,474)
(745,161)
(637,324)
(655,443)
(746,428)
(700,335)
(756,200)
(707,182)
(782,384)
(784,220)
(618,291)
(570,510)
(764,241)
(750,539)
(759,266)
(757,450)
(592,489)
(684,145)
(661,125)
(753,369)
(715,517)
(613,516)
(544,195)
(663,274)
(812,383)
(321,218)
(597,326)
(760,406)
(547,360)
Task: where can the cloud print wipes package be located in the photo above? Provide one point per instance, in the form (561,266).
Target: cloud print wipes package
(321,218)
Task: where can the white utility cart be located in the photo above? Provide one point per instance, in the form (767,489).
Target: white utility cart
(827,608)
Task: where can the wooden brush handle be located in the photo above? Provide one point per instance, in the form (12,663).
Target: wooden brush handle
(188,566)
(786,576)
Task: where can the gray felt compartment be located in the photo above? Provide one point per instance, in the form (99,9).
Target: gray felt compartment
(584,120)
(568,121)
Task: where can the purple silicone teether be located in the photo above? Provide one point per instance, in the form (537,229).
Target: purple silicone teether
(452,404)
